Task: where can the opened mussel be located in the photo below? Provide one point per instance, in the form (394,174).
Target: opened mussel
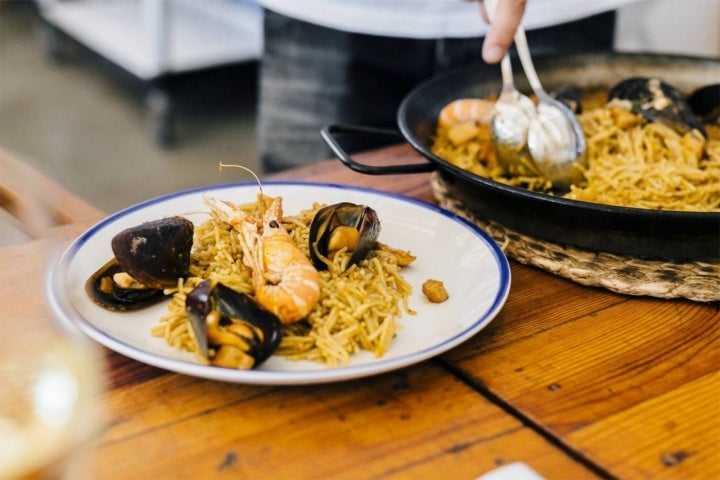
(342,225)
(655,100)
(111,288)
(148,258)
(231,329)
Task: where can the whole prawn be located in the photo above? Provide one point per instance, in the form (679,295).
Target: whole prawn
(284,279)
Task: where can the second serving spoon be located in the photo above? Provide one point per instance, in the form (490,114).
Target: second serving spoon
(555,138)
(511,120)
(510,125)
(546,139)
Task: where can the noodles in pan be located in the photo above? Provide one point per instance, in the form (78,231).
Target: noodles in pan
(630,162)
(648,165)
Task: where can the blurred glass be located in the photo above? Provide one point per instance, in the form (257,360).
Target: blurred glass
(50,408)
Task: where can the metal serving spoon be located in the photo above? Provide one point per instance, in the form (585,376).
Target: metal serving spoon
(511,120)
(555,137)
(510,125)
(546,139)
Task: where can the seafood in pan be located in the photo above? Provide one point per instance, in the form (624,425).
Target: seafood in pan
(650,145)
(656,101)
(651,98)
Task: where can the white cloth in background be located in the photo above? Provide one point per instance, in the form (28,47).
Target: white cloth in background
(429,18)
(690,27)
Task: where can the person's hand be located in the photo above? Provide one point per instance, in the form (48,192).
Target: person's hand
(508,14)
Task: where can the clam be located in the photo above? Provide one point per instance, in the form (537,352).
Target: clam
(231,329)
(656,101)
(342,225)
(148,258)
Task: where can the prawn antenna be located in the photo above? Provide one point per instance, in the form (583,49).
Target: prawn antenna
(242,167)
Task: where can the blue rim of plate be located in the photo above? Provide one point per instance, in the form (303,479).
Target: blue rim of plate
(73,321)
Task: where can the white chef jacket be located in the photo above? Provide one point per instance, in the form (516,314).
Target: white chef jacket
(428,18)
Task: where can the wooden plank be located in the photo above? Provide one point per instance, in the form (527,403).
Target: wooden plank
(569,368)
(9,232)
(36,201)
(22,282)
(416,423)
(674,435)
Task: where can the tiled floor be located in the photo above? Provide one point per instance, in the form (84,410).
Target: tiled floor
(83,122)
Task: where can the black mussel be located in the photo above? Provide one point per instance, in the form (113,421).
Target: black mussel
(342,225)
(155,253)
(705,102)
(108,291)
(570,96)
(656,101)
(148,258)
(239,331)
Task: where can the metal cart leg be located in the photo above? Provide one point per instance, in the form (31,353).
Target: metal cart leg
(160,117)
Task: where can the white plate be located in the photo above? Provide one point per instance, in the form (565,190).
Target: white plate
(448,248)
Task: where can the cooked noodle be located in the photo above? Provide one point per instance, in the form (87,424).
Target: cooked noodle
(358,308)
(648,165)
(644,165)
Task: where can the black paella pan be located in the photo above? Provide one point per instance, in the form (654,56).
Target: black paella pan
(636,232)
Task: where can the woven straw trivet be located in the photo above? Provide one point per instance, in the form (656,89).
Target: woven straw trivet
(697,281)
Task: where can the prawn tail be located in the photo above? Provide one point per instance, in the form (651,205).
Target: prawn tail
(274,212)
(294,297)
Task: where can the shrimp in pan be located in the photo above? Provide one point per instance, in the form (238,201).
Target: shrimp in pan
(284,279)
(466,110)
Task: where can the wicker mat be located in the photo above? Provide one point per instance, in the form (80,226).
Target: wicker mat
(697,281)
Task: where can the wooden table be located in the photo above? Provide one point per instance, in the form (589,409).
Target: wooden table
(574,381)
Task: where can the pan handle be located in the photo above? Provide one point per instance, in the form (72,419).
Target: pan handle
(329,131)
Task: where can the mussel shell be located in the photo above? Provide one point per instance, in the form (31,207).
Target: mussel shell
(119,298)
(361,217)
(570,96)
(155,253)
(233,306)
(705,102)
(240,306)
(657,101)
(369,231)
(197,306)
